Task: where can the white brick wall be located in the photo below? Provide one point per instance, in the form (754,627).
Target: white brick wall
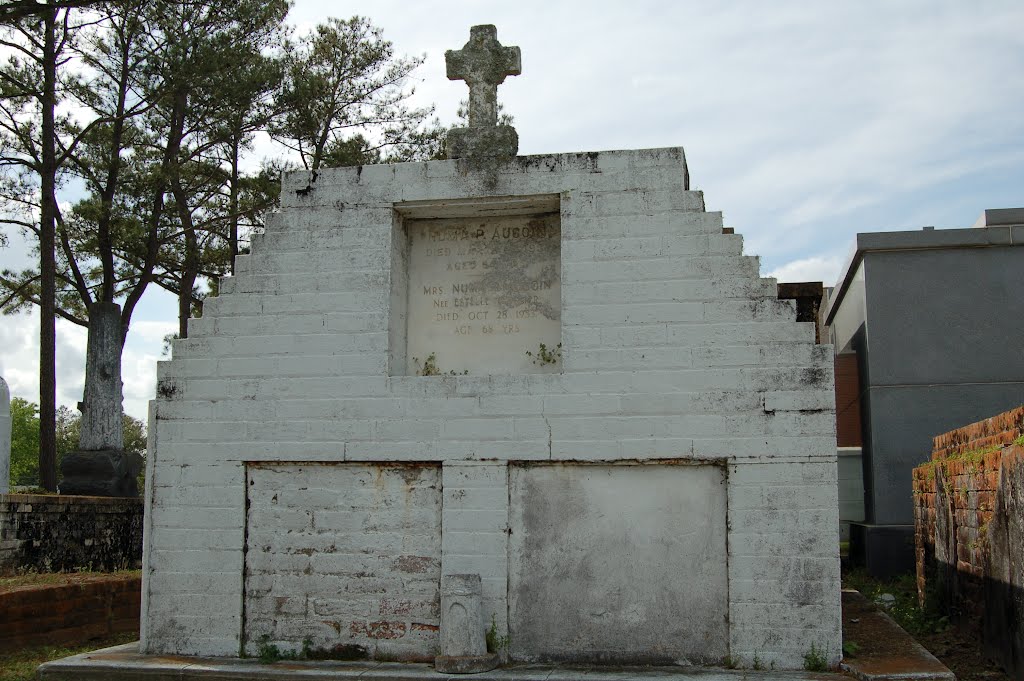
(475,537)
(673,347)
(783,562)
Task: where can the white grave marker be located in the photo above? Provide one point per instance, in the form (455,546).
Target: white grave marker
(5,437)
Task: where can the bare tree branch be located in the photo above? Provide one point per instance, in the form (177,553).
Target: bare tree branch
(22,9)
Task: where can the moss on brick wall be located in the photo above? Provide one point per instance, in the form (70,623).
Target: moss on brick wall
(969,531)
(64,533)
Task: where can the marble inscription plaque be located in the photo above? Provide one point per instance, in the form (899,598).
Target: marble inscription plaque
(483,292)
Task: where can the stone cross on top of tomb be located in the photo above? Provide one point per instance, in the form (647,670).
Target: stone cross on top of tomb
(483,63)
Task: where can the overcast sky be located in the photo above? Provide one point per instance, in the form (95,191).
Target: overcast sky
(804,122)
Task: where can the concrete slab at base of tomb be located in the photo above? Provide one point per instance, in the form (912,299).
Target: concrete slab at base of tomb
(887,653)
(467,664)
(124,663)
(299,442)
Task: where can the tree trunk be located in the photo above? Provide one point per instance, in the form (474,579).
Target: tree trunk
(102,426)
(190,260)
(47,263)
(100,466)
(233,204)
(190,263)
(104,242)
(170,155)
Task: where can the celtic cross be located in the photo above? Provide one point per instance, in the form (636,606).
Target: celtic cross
(483,63)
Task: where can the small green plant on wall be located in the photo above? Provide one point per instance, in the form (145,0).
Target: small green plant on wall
(270,653)
(546,355)
(815,659)
(429,367)
(495,643)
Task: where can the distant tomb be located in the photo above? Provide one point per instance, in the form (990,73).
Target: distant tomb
(557,373)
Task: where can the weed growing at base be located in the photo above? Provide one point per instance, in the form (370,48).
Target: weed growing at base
(906,610)
(269,653)
(815,660)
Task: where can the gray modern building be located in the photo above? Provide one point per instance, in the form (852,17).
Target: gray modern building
(935,319)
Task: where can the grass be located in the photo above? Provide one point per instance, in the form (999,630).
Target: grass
(50,578)
(905,610)
(815,660)
(32,490)
(270,653)
(20,665)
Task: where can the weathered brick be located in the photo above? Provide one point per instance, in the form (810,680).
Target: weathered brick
(981,489)
(70,613)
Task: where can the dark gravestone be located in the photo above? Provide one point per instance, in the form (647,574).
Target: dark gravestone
(100,466)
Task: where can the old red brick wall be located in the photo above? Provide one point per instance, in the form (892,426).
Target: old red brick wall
(969,531)
(66,614)
(848,426)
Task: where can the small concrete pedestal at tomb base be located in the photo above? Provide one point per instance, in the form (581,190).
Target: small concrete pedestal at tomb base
(463,643)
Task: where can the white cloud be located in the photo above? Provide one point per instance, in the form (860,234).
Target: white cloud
(151,332)
(805,122)
(70,351)
(815,268)
(19,360)
(138,363)
(138,372)
(19,357)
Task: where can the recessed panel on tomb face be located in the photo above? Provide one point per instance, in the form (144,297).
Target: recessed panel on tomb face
(346,556)
(484,295)
(623,564)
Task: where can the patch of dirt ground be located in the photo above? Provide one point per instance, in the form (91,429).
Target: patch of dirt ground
(963,655)
(954,647)
(39,579)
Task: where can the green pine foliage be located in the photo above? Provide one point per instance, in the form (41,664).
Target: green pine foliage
(24,442)
(153,108)
(25,439)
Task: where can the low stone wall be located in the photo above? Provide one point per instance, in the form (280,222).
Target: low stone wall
(969,528)
(45,533)
(64,614)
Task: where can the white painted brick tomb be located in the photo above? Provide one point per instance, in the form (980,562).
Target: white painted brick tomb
(665,490)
